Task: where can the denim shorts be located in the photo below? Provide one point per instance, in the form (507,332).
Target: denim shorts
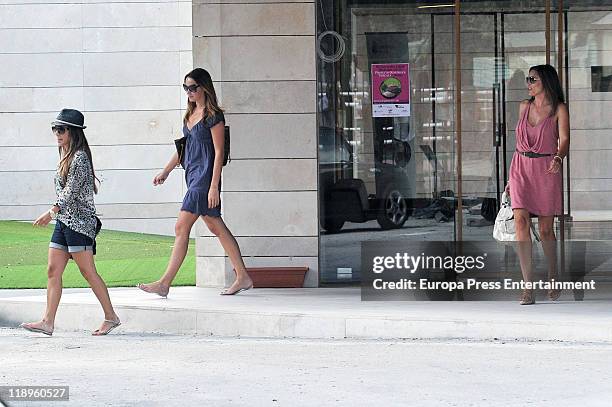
(68,240)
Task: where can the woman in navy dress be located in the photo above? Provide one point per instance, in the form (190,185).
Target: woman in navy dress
(203,126)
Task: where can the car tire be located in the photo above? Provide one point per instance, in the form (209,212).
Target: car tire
(394,210)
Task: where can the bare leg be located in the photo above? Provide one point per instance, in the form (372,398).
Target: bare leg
(522,224)
(219,229)
(183,226)
(55,269)
(549,245)
(85,261)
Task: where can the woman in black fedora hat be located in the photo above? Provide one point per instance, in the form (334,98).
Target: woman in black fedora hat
(76,222)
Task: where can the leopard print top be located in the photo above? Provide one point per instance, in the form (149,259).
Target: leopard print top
(75,197)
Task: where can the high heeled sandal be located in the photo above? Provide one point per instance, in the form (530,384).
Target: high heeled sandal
(554,294)
(527,298)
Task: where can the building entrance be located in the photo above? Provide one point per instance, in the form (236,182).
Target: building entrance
(395,177)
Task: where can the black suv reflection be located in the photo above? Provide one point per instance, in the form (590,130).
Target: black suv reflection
(344,198)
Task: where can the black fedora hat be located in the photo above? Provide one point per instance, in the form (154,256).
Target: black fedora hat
(70,117)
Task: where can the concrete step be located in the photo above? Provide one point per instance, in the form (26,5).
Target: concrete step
(318,313)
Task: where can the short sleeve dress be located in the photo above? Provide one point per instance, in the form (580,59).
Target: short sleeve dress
(198,164)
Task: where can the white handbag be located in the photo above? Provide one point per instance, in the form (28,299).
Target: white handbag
(503,230)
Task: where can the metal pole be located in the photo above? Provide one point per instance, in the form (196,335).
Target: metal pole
(560,59)
(547,31)
(433,94)
(560,32)
(459,219)
(560,72)
(567,97)
(503,98)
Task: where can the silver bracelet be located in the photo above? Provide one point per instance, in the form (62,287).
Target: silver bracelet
(559,157)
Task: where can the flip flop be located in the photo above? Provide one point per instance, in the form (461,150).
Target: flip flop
(114,324)
(37,330)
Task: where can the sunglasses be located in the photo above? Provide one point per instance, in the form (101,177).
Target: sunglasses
(531,80)
(190,89)
(59,129)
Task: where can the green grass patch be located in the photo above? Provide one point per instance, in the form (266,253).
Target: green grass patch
(123,259)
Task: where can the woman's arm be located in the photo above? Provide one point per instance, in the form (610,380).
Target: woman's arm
(45,218)
(564,138)
(218,137)
(161,177)
(78,173)
(564,141)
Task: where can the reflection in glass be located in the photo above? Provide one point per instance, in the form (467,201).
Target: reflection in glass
(394,178)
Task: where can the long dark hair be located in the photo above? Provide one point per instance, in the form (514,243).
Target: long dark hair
(211,105)
(551,84)
(78,141)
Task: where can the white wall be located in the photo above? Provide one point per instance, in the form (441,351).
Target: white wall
(253,49)
(121,64)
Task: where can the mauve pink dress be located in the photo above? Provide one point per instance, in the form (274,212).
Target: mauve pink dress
(531,188)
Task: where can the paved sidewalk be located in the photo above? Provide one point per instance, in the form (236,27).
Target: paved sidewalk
(130,370)
(319,313)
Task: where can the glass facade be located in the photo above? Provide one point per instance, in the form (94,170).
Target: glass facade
(394,176)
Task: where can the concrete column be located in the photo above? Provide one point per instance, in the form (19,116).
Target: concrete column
(261,56)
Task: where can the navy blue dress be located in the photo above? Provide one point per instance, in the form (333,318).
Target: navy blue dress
(198,164)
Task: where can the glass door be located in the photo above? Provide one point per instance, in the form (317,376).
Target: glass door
(589,93)
(390,176)
(394,178)
(482,135)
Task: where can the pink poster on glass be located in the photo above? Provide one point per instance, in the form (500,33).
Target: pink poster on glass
(390,90)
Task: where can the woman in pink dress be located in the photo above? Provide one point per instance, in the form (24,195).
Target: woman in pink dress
(535,182)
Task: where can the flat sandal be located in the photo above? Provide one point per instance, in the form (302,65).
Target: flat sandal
(113,325)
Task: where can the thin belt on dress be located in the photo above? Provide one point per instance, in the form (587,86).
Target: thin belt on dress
(532,154)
